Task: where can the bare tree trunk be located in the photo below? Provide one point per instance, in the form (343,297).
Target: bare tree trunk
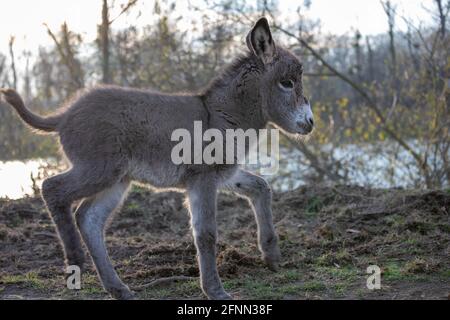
(358,55)
(370,61)
(442,18)
(67,55)
(120,41)
(27,78)
(412,51)
(389,9)
(2,67)
(104,42)
(13,62)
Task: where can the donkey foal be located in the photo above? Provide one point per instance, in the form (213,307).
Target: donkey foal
(113,136)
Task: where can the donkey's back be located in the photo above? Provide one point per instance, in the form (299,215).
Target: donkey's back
(120,122)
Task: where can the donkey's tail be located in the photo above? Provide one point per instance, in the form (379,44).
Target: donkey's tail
(48,124)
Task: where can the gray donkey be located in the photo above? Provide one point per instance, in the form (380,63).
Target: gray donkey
(113,136)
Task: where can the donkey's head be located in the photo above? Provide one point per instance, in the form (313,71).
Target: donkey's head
(280,83)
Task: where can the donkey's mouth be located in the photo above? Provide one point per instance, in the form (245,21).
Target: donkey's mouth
(304,128)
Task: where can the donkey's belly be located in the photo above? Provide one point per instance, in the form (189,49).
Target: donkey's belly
(165,175)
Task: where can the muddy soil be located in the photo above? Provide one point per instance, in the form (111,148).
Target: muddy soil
(328,238)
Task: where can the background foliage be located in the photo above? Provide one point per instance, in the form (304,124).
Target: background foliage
(381,102)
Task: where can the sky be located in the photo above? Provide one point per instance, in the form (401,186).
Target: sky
(24,18)
(340,16)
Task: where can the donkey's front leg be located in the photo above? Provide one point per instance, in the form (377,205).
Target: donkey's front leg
(202,195)
(259,194)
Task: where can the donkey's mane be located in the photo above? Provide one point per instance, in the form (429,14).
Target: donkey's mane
(230,72)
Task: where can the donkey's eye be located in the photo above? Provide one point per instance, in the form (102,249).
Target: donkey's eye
(287,84)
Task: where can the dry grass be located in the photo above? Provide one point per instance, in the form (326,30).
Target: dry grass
(328,238)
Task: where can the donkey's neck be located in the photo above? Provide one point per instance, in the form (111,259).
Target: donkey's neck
(233,99)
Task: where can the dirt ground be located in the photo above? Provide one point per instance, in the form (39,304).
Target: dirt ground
(328,238)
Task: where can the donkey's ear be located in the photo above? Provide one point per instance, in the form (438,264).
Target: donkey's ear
(260,41)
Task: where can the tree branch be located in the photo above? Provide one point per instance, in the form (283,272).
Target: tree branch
(68,56)
(129,5)
(13,62)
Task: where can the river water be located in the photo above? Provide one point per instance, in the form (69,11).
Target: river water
(15,177)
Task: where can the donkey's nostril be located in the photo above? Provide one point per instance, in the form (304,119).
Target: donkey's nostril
(310,121)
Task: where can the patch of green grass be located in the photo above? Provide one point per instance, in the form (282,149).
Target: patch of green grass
(92,290)
(412,241)
(138,189)
(90,285)
(254,288)
(342,258)
(325,259)
(261,290)
(395,220)
(411,247)
(446,273)
(191,285)
(184,289)
(417,265)
(392,271)
(414,270)
(291,289)
(338,278)
(229,285)
(90,279)
(133,206)
(287,276)
(313,206)
(29,279)
(313,286)
(340,289)
(340,274)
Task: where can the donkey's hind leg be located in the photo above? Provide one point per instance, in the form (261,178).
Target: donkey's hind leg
(58,194)
(91,218)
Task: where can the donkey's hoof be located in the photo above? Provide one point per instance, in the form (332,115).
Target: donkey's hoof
(225,296)
(272,262)
(273,266)
(122,293)
(222,295)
